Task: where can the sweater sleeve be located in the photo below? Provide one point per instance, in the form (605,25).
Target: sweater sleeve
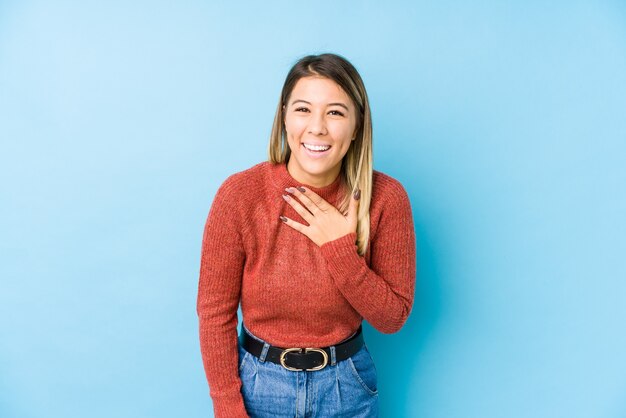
(219,287)
(383,292)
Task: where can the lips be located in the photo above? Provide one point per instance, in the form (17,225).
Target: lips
(316,147)
(315,154)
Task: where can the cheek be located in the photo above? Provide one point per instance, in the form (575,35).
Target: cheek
(342,132)
(294,127)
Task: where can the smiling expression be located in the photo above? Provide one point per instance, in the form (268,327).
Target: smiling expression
(320,122)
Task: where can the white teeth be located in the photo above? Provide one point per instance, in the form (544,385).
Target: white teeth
(316,147)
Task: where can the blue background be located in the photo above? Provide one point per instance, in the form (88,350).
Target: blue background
(505,122)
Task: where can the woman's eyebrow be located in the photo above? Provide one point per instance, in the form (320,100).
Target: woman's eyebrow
(329,104)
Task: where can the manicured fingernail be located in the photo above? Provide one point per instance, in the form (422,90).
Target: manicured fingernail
(289,189)
(286,197)
(357,194)
(302,189)
(282,218)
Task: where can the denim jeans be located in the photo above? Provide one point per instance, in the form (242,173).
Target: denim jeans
(347,388)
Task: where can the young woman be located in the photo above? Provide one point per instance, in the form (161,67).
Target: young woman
(311,242)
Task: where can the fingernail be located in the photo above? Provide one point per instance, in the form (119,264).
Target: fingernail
(302,189)
(282,218)
(357,194)
(286,197)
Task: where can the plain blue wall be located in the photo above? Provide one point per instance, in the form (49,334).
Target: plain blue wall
(505,121)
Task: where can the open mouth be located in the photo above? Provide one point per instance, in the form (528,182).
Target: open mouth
(316,150)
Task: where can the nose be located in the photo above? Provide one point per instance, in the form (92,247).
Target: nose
(317,125)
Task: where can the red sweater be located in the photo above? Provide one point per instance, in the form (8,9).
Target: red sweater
(294,293)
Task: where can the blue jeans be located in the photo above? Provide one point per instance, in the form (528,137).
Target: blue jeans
(347,388)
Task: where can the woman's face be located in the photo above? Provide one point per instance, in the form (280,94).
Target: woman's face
(318,113)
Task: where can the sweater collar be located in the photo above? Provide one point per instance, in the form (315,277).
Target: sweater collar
(283,179)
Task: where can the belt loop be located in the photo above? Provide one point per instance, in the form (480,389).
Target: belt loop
(333,356)
(266,347)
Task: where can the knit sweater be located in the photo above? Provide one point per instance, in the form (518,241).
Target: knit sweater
(292,292)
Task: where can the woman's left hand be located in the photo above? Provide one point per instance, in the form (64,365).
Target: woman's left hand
(326,223)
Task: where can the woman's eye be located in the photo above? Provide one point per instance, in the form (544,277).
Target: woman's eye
(301,109)
(335,113)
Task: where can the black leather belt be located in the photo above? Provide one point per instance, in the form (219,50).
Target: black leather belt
(297,359)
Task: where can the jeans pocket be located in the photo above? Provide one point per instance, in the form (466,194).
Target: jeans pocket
(243,357)
(364,371)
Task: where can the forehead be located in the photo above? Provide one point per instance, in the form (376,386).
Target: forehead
(319,90)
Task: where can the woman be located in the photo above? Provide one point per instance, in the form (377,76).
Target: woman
(311,242)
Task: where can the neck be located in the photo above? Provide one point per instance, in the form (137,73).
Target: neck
(282,178)
(316,181)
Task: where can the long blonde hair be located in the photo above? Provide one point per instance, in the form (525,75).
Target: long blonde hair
(356,167)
